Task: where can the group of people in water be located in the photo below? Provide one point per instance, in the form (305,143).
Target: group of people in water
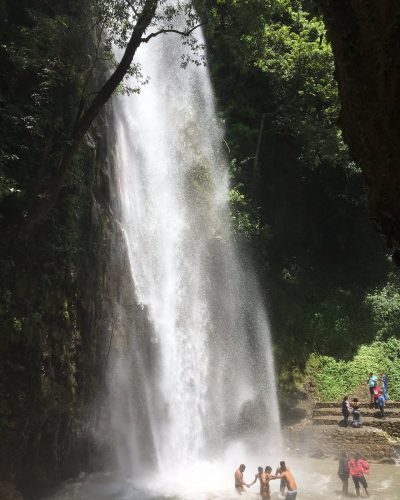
(379,394)
(356,467)
(264,476)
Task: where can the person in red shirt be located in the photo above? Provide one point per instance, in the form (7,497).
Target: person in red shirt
(377,393)
(357,468)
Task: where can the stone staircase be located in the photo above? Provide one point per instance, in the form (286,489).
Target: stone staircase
(319,434)
(329,413)
(377,439)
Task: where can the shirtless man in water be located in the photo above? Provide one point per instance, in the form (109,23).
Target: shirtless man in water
(257,476)
(290,481)
(265,491)
(239,483)
(260,477)
(279,470)
(264,477)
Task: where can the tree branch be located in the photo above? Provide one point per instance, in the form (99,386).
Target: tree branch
(183,33)
(48,199)
(132,7)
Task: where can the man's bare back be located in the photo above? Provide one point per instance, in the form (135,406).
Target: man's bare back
(290,482)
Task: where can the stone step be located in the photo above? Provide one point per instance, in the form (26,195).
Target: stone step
(321,440)
(389,425)
(368,412)
(362,430)
(330,419)
(338,404)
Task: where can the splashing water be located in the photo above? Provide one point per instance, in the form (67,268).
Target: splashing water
(316,479)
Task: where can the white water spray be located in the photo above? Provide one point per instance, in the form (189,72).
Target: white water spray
(191,369)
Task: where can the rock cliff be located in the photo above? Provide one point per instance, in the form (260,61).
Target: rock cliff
(365,37)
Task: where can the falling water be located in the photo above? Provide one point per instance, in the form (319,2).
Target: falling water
(191,371)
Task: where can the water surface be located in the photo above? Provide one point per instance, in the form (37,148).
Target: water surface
(316,479)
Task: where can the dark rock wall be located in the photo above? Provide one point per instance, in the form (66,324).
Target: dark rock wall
(52,373)
(365,37)
(54,286)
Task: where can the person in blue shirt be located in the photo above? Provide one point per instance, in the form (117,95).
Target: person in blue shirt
(372,383)
(385,386)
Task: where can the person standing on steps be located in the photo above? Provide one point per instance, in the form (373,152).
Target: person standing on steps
(385,386)
(346,410)
(377,393)
(381,405)
(343,472)
(372,383)
(357,468)
(239,482)
(356,413)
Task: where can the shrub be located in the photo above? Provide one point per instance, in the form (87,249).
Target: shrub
(335,378)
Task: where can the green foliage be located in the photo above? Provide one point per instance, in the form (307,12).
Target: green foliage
(43,67)
(334,379)
(245,218)
(298,60)
(302,207)
(385,304)
(243,223)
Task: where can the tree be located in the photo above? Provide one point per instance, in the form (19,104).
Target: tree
(126,24)
(303,207)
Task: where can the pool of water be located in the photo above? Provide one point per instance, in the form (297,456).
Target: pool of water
(316,480)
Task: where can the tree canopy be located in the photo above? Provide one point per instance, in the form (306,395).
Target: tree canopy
(297,196)
(50,48)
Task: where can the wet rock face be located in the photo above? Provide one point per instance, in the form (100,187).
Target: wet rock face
(365,37)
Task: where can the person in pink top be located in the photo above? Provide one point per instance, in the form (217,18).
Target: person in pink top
(357,468)
(377,393)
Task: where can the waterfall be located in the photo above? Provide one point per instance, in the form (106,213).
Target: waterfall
(191,367)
